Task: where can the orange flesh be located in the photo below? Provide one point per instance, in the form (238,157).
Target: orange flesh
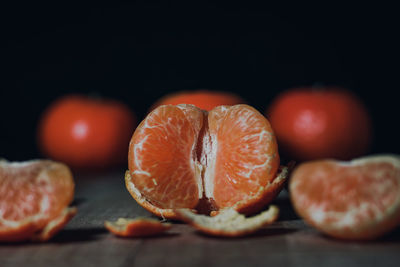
(378,177)
(161,157)
(14,196)
(33,195)
(182,157)
(25,193)
(348,200)
(247,158)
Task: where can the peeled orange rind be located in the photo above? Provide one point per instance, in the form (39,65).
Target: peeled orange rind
(54,226)
(142,201)
(356,200)
(249,206)
(138,227)
(228,222)
(34,199)
(265,194)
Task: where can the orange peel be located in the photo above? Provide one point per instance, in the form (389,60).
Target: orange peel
(138,227)
(228,222)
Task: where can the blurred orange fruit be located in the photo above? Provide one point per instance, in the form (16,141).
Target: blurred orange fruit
(34,199)
(86,133)
(315,123)
(202,99)
(356,200)
(184,157)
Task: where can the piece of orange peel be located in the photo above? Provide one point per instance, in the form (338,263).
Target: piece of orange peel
(228,222)
(137,227)
(54,226)
(247,206)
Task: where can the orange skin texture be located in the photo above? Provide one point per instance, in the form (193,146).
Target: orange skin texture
(203,99)
(316,123)
(86,133)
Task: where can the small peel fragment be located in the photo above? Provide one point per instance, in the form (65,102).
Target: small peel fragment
(138,227)
(228,222)
(54,226)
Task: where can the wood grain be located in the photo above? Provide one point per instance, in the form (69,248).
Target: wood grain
(288,242)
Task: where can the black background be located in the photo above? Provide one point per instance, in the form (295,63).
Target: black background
(138,51)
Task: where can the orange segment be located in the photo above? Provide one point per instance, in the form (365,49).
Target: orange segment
(359,199)
(247,153)
(33,193)
(161,156)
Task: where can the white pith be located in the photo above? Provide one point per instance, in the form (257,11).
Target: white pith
(198,169)
(207,163)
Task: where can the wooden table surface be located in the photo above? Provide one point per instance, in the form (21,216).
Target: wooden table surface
(288,242)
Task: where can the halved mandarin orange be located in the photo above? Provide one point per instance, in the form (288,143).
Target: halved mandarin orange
(34,199)
(184,157)
(358,200)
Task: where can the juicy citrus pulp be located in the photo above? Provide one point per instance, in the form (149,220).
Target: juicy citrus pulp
(184,157)
(34,199)
(359,199)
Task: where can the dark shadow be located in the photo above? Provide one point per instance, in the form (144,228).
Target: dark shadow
(174,221)
(262,233)
(286,211)
(64,236)
(153,237)
(99,174)
(391,237)
(273,232)
(78,201)
(78,235)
